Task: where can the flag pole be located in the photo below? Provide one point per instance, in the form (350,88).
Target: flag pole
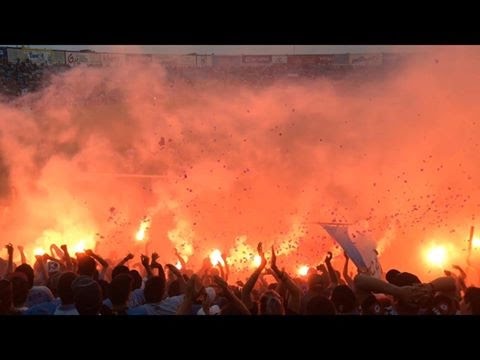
(470,240)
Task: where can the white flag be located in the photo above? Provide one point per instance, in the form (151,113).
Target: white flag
(358,245)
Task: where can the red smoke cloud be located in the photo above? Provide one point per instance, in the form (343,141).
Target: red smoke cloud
(220,164)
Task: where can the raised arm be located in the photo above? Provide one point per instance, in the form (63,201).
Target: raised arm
(463,275)
(181,260)
(345,274)
(10,259)
(101,261)
(331,270)
(252,280)
(125,259)
(68,259)
(222,272)
(43,266)
(22,254)
(460,280)
(95,248)
(56,252)
(271,272)
(155,265)
(146,264)
(227,269)
(228,293)
(263,282)
(181,281)
(47,257)
(290,285)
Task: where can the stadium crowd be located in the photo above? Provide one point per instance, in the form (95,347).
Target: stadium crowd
(87,284)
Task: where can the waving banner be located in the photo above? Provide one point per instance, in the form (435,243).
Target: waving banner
(359,247)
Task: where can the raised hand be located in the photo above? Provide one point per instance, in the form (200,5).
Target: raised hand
(322,268)
(145,260)
(155,256)
(260,249)
(328,258)
(20,248)
(9,249)
(60,254)
(274,258)
(129,257)
(64,249)
(262,255)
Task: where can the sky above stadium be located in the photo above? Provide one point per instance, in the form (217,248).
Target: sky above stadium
(235,49)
